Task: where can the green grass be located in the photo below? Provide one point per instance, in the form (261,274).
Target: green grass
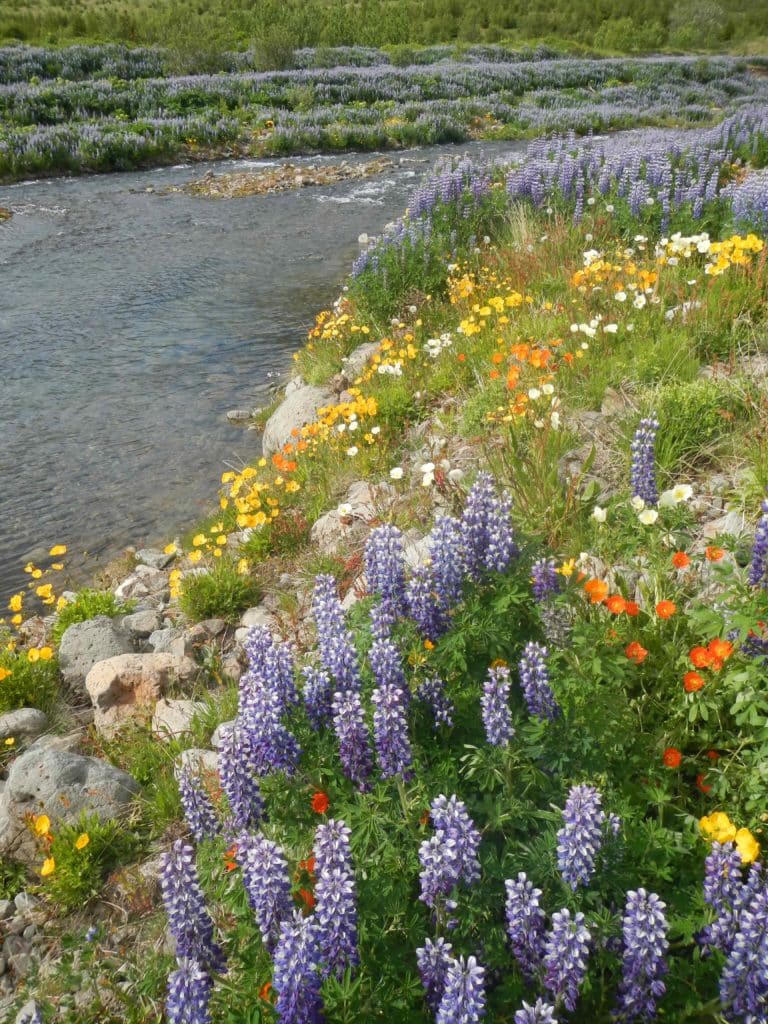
(87,605)
(221,593)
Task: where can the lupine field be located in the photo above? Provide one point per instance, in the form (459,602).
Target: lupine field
(508,761)
(104,108)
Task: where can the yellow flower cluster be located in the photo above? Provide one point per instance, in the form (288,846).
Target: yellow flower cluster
(719,828)
(41,826)
(733,251)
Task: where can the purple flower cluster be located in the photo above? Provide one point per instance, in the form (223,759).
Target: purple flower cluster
(336,906)
(722,889)
(463,999)
(296,975)
(539,1013)
(644,963)
(545,579)
(424,604)
(432,692)
(450,856)
(744,981)
(643,469)
(566,950)
(189,993)
(337,650)
(317,696)
(758,569)
(486,528)
(198,808)
(525,923)
(270,666)
(497,717)
(433,960)
(447,560)
(386,665)
(188,918)
(385,572)
(580,838)
(237,769)
(534,681)
(267,883)
(390,731)
(352,734)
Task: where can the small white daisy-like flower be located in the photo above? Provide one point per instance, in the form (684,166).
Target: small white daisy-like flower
(599,514)
(648,516)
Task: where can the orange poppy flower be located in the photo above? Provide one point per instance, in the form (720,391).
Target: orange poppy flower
(680,560)
(702,785)
(320,803)
(636,652)
(597,590)
(265,990)
(632,608)
(720,650)
(713,755)
(494,374)
(672,757)
(616,604)
(714,554)
(666,609)
(692,682)
(700,657)
(306,897)
(461,357)
(497,357)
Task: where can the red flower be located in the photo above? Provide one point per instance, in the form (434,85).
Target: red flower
(713,755)
(632,608)
(672,757)
(666,609)
(616,604)
(692,682)
(636,652)
(720,650)
(714,554)
(307,898)
(320,803)
(597,590)
(424,819)
(701,783)
(700,657)
(265,990)
(680,560)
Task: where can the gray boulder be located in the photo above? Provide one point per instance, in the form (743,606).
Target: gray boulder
(61,785)
(296,409)
(127,687)
(86,643)
(140,625)
(354,364)
(153,558)
(22,723)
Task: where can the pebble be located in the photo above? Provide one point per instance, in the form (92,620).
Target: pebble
(6,909)
(25,902)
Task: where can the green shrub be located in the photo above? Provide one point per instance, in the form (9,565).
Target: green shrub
(27,684)
(12,877)
(87,605)
(221,593)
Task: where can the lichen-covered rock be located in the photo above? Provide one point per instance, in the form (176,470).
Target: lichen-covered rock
(296,409)
(86,643)
(61,785)
(128,686)
(172,718)
(22,724)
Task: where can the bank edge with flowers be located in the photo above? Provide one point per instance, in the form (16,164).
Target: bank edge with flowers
(522,780)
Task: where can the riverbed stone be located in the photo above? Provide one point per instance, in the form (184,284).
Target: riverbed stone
(62,785)
(198,761)
(154,558)
(259,615)
(86,643)
(22,724)
(144,581)
(128,686)
(173,718)
(296,409)
(140,625)
(161,639)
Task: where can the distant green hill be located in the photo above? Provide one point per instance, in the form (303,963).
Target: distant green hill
(610,25)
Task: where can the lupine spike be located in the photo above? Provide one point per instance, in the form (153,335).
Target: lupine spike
(189,993)
(198,808)
(758,569)
(643,469)
(352,734)
(390,731)
(497,717)
(566,950)
(644,965)
(267,884)
(535,684)
(336,899)
(296,975)
(744,981)
(236,769)
(317,696)
(525,923)
(188,919)
(433,959)
(463,999)
(335,644)
(539,1013)
(385,567)
(580,838)
(432,692)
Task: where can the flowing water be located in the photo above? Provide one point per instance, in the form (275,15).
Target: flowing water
(131,321)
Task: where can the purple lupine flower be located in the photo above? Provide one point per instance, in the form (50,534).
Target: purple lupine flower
(525,923)
(545,579)
(189,993)
(534,682)
(450,816)
(424,605)
(336,906)
(497,717)
(271,746)
(390,732)
(440,869)
(644,965)
(463,1000)
(198,808)
(539,1013)
(614,824)
(432,692)
(758,569)
(317,696)
(722,886)
(433,959)
(387,665)
(744,981)
(270,664)
(236,773)
(267,884)
(296,975)
(487,528)
(335,644)
(352,734)
(566,949)
(30,1015)
(580,838)
(643,470)
(385,567)
(188,919)
(447,560)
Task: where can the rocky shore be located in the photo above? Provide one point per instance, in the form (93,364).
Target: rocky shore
(279,179)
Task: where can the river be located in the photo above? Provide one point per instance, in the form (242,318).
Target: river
(131,321)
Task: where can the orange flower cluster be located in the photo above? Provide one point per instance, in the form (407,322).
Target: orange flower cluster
(597,591)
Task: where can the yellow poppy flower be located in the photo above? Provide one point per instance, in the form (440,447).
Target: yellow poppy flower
(58,549)
(747,845)
(170,549)
(9,742)
(199,539)
(46,653)
(33,655)
(82,841)
(16,603)
(4,673)
(49,866)
(42,824)
(718,826)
